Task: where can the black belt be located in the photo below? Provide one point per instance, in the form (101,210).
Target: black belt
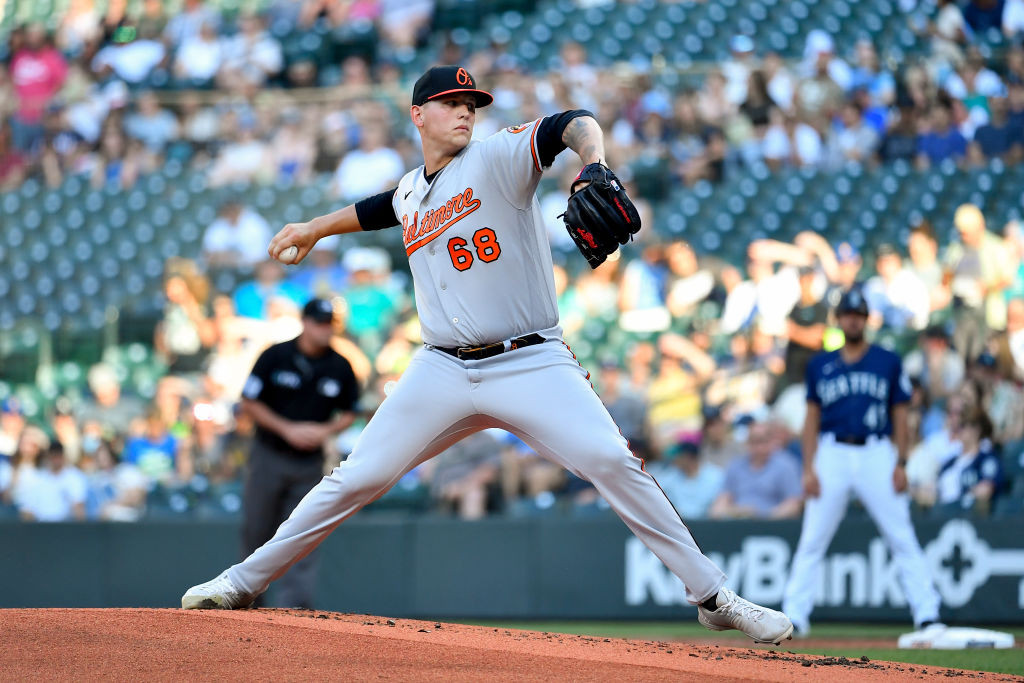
(481,352)
(851,440)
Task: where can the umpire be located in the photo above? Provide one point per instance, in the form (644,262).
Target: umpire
(300,392)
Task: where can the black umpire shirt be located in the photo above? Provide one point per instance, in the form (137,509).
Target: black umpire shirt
(300,388)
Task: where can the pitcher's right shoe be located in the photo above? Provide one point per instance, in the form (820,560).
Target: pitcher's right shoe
(760,623)
(218,593)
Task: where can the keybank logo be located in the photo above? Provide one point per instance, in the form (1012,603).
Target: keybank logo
(960,562)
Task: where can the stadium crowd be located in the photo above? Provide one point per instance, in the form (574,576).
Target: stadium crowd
(700,361)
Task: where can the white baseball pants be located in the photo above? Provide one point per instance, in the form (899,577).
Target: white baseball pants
(541,394)
(864,471)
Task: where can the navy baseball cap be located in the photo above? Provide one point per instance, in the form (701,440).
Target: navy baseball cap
(852,301)
(320,310)
(446,80)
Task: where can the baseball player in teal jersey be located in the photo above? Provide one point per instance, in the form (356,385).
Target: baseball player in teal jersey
(493,353)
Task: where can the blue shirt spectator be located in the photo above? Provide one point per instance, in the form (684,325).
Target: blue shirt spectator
(765,484)
(155,452)
(942,144)
(690,483)
(251,298)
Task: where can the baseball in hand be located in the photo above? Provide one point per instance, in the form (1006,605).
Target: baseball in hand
(289,255)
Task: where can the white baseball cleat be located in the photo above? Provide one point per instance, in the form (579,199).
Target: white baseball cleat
(760,623)
(218,593)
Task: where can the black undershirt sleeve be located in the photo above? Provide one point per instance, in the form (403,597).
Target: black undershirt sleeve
(377,212)
(549,134)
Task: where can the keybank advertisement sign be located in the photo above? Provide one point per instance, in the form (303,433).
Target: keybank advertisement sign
(978,568)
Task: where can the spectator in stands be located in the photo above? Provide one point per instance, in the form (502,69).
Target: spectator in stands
(766,298)
(1001,400)
(13,164)
(237,238)
(154,126)
(56,492)
(941,140)
(819,96)
(1013,19)
(923,249)
(372,168)
(157,453)
(998,138)
(185,333)
(116,491)
(898,299)
(851,139)
(970,477)
(805,329)
(198,59)
(321,276)
(65,429)
(738,69)
(690,482)
(781,84)
(979,269)
(120,161)
(900,139)
(949,32)
(461,476)
(688,284)
(253,297)
(293,148)
(131,55)
(371,307)
(628,409)
(108,406)
(245,158)
(642,292)
(790,141)
(251,55)
(939,368)
(188,23)
(764,484)
(982,15)
(200,124)
(403,21)
(37,71)
(31,445)
(718,445)
(12,423)
(1009,345)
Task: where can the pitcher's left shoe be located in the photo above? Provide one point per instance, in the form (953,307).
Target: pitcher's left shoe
(760,623)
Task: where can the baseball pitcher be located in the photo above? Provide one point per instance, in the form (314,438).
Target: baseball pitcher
(493,353)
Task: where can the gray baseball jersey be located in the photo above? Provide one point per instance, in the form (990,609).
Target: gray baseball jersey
(476,243)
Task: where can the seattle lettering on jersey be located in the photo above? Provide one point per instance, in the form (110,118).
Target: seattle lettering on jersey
(852,384)
(421,231)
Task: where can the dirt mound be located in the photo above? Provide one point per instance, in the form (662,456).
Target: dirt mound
(129,644)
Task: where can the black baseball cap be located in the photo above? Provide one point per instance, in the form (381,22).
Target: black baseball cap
(853,301)
(320,310)
(445,80)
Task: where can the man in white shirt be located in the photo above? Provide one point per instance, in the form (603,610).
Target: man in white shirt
(370,169)
(237,237)
(897,297)
(56,493)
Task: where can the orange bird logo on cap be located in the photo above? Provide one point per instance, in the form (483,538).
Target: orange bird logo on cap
(462,76)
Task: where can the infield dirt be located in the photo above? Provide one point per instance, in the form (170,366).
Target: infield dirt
(270,644)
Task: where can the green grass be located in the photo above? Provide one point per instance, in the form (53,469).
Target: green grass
(998,661)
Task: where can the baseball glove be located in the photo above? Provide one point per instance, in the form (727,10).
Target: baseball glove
(600,216)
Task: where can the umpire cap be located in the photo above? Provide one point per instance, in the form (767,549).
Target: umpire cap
(852,301)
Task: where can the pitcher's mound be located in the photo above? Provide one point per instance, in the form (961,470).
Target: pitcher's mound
(169,644)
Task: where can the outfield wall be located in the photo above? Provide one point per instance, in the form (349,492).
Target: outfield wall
(541,568)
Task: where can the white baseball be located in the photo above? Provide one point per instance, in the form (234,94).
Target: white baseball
(289,255)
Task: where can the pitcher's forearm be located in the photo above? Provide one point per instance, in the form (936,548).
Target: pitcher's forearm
(584,136)
(340,222)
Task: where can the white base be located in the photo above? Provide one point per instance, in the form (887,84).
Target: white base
(955,638)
